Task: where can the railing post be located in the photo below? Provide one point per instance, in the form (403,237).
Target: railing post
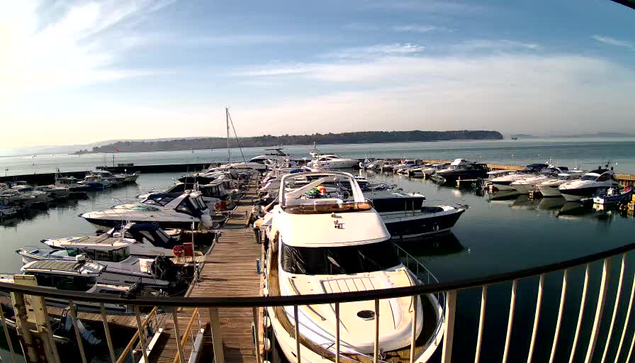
(541,285)
(580,313)
(296,317)
(217,338)
(604,286)
(510,320)
(450,308)
(626,320)
(104,320)
(6,334)
(177,334)
(563,295)
(481,325)
(256,335)
(142,334)
(615,307)
(376,350)
(413,334)
(337,333)
(80,343)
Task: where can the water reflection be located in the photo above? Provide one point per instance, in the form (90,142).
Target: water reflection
(441,245)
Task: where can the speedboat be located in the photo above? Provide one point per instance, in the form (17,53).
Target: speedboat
(461,169)
(143,240)
(594,182)
(72,183)
(277,155)
(329,245)
(98,181)
(175,210)
(332,161)
(549,187)
(406,216)
(122,268)
(36,196)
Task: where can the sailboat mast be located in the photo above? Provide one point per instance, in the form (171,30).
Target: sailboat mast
(229,155)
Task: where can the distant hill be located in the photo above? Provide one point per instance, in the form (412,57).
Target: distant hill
(269,140)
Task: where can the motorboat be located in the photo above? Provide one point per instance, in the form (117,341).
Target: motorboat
(429,169)
(99,181)
(461,169)
(214,194)
(77,275)
(125,178)
(168,210)
(387,166)
(142,239)
(613,196)
(549,188)
(406,216)
(406,165)
(36,196)
(55,192)
(526,185)
(593,182)
(330,245)
(122,268)
(332,161)
(73,184)
(277,155)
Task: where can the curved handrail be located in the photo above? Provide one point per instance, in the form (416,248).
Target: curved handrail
(259,301)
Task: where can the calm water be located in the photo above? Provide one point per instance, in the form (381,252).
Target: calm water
(587,153)
(491,237)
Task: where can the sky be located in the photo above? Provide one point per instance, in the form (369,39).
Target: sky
(76,72)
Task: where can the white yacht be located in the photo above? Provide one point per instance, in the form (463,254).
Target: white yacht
(98,181)
(332,161)
(36,196)
(177,210)
(276,155)
(333,245)
(588,185)
(143,239)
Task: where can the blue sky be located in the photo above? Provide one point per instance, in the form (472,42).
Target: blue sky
(76,72)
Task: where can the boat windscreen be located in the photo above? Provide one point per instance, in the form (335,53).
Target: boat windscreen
(160,199)
(339,260)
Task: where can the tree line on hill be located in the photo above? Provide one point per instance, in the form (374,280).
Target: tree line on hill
(270,140)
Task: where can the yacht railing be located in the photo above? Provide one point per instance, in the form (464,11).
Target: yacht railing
(611,337)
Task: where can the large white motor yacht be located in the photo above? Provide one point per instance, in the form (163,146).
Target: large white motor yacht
(333,245)
(591,183)
(178,210)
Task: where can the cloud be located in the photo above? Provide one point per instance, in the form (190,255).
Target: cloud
(427,6)
(494,45)
(614,42)
(362,27)
(412,28)
(51,45)
(504,92)
(379,50)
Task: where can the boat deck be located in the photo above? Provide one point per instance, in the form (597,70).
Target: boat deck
(229,270)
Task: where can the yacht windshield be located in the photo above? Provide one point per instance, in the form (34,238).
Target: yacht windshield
(339,260)
(589,177)
(159,199)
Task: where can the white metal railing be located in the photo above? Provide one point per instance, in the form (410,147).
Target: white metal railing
(616,322)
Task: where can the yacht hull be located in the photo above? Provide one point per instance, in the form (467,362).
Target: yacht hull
(401,226)
(110,223)
(572,195)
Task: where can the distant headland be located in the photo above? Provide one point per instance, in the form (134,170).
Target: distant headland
(269,140)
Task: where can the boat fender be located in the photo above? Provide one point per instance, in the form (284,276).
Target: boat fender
(178,251)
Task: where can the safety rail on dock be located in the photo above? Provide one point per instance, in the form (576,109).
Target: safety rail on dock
(615,334)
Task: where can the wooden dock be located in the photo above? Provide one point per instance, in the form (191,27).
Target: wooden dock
(229,270)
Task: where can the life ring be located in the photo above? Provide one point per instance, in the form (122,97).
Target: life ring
(178,251)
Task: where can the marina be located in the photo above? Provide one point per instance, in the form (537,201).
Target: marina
(231,266)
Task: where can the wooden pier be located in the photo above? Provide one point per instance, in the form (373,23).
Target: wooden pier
(230,269)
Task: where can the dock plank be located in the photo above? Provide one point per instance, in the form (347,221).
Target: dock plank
(229,271)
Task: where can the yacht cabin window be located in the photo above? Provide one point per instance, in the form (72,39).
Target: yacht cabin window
(339,260)
(604,177)
(160,199)
(73,283)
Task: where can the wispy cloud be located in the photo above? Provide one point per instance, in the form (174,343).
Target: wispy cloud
(429,6)
(79,45)
(362,27)
(614,42)
(379,50)
(413,28)
(494,45)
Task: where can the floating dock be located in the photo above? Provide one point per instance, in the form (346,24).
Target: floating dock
(230,269)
